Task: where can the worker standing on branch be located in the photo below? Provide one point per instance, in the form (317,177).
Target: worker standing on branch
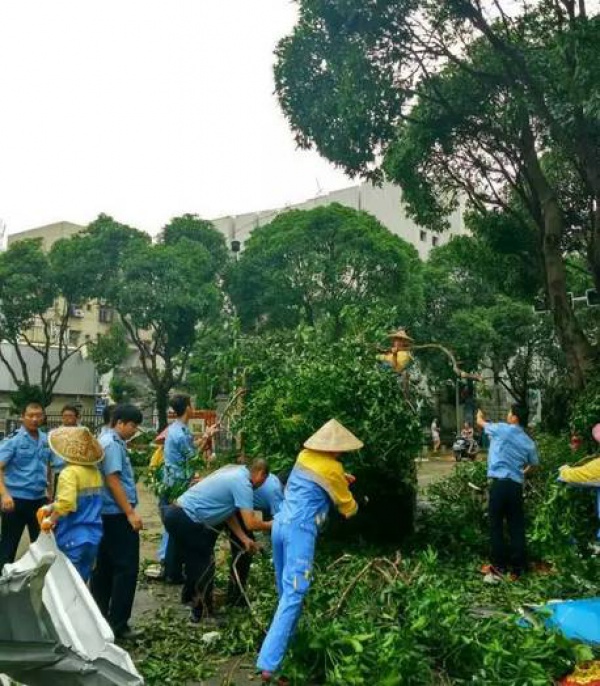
(316,482)
(511,456)
(77,509)
(398,357)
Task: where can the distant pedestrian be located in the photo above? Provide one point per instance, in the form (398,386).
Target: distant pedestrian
(435,435)
(76,513)
(115,576)
(70,415)
(511,456)
(24,460)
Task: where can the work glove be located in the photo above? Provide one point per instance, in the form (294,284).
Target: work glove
(44,519)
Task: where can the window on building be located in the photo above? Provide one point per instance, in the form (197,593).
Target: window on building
(435,241)
(76,311)
(88,307)
(105,314)
(87,337)
(423,236)
(74,337)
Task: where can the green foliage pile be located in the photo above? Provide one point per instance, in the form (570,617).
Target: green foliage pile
(390,621)
(299,383)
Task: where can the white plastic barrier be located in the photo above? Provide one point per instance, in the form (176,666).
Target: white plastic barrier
(50,618)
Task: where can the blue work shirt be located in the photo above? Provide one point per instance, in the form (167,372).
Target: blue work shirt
(215,498)
(116,461)
(511,450)
(269,496)
(25,461)
(179,450)
(57,463)
(305,504)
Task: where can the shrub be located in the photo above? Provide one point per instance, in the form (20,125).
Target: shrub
(298,384)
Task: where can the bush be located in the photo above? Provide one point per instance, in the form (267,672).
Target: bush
(298,384)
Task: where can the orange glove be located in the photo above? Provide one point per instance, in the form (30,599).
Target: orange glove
(47,524)
(43,518)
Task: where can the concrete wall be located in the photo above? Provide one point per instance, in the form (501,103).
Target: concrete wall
(384,202)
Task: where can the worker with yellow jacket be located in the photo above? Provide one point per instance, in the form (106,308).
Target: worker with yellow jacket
(76,511)
(585,475)
(317,482)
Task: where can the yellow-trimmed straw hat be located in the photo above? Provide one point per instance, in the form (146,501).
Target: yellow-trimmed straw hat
(76,445)
(400,333)
(333,437)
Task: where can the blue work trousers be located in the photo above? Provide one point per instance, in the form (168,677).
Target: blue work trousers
(293,554)
(83,558)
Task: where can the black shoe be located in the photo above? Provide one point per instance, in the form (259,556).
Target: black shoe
(128,634)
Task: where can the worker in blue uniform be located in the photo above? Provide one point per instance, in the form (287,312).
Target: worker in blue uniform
(317,482)
(267,499)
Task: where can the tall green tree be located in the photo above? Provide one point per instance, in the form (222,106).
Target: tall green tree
(164,293)
(459,98)
(475,304)
(38,292)
(319,266)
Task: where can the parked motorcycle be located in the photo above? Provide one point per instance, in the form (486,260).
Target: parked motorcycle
(465,448)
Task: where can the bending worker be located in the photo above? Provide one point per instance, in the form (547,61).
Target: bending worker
(267,500)
(196,518)
(316,482)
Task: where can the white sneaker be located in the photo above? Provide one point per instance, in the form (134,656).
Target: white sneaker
(491,578)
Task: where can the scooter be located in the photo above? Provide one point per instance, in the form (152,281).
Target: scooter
(465,448)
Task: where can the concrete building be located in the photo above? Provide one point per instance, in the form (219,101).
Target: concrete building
(87,320)
(49,233)
(90,320)
(76,385)
(383,202)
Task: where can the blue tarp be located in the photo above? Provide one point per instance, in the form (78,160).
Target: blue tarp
(578,620)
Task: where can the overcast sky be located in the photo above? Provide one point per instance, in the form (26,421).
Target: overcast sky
(144,110)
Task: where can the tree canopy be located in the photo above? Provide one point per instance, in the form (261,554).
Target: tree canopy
(312,266)
(164,293)
(461,98)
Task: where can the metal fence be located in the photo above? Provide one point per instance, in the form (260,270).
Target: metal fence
(89,419)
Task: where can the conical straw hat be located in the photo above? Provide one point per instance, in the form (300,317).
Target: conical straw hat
(333,437)
(400,333)
(75,444)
